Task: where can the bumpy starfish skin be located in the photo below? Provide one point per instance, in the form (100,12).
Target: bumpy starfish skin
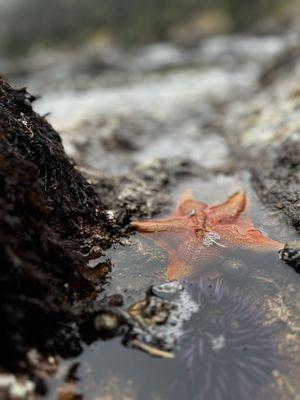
(196,232)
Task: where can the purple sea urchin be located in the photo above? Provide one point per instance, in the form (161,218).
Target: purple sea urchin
(227,349)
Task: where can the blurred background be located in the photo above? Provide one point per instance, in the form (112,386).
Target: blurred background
(125,81)
(27,25)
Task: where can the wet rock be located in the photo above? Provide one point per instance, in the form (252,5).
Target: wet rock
(47,208)
(242,48)
(167,102)
(158,323)
(118,138)
(116,142)
(160,56)
(285,63)
(16,388)
(191,147)
(144,192)
(291,255)
(276,178)
(167,290)
(96,252)
(151,311)
(107,324)
(115,300)
(270,115)
(42,367)
(106,320)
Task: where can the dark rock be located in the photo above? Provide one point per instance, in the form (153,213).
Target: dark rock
(276,178)
(291,255)
(71,200)
(46,209)
(145,191)
(107,324)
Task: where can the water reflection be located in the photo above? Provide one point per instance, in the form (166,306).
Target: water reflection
(237,345)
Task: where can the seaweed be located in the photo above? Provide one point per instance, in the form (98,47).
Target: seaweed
(72,201)
(47,212)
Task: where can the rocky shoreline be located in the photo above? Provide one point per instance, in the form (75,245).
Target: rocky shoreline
(48,212)
(58,215)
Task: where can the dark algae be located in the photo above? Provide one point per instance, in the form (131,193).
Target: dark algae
(71,200)
(47,211)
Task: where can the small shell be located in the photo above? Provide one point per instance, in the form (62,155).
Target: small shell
(167,290)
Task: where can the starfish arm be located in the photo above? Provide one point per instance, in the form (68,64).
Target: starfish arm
(233,236)
(177,268)
(229,211)
(186,261)
(256,239)
(187,204)
(162,225)
(196,233)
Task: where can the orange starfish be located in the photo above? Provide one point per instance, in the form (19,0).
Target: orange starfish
(196,232)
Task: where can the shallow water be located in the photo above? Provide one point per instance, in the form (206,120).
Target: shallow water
(176,114)
(108,370)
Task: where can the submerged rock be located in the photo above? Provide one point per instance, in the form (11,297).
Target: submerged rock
(107,324)
(144,192)
(18,389)
(291,255)
(167,290)
(159,321)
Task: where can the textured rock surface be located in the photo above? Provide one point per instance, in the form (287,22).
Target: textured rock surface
(70,199)
(277,178)
(221,123)
(271,114)
(47,208)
